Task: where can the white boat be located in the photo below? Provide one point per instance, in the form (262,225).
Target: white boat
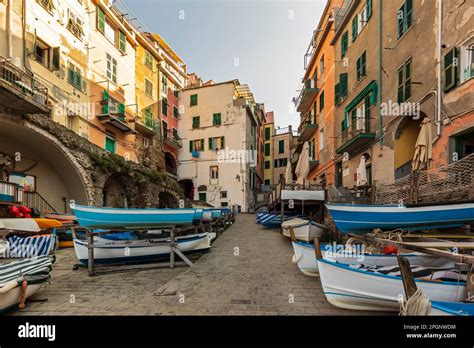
(20,224)
(36,271)
(135,251)
(305,258)
(380,289)
(305,230)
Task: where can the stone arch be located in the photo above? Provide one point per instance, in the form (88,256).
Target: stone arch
(171,164)
(118,193)
(167,200)
(60,177)
(187,187)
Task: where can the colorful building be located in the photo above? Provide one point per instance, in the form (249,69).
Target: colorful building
(268,131)
(283,142)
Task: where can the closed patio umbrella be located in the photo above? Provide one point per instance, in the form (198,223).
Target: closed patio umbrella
(423,147)
(361,173)
(288,173)
(302,168)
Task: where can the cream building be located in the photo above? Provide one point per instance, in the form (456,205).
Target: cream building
(218,158)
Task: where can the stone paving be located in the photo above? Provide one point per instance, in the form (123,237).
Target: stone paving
(247,272)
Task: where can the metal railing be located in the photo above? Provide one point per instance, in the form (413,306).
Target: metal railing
(9,192)
(171,136)
(23,82)
(358,126)
(36,200)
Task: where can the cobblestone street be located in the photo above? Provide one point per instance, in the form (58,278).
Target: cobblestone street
(247,272)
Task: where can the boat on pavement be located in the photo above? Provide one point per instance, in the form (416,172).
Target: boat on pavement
(359,219)
(361,287)
(305,230)
(132,218)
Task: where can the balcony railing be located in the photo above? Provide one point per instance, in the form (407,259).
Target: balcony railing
(172,138)
(108,112)
(20,87)
(145,123)
(307,95)
(357,135)
(307,129)
(9,192)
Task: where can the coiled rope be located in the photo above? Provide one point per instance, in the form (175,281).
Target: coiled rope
(417,304)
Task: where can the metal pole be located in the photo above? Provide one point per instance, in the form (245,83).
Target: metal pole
(90,249)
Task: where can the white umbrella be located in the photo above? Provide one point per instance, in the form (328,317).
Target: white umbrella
(423,147)
(361,173)
(302,168)
(288,173)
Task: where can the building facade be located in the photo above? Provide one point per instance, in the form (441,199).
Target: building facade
(282,142)
(218,127)
(268,131)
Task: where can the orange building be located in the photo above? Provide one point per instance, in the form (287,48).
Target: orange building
(316,99)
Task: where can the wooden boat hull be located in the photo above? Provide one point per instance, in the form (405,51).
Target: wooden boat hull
(304,229)
(137,251)
(121,218)
(358,290)
(305,258)
(360,219)
(11,299)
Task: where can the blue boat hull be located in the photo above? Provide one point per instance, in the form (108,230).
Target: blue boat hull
(121,218)
(360,219)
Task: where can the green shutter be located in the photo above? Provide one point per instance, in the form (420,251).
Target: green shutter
(100,19)
(355,27)
(222,142)
(109,145)
(368,5)
(105,107)
(451,70)
(400,97)
(190,146)
(321,101)
(122,42)
(401,21)
(407,80)
(121,110)
(211,147)
(281,146)
(344,43)
(202,144)
(343,85)
(358,69)
(164,106)
(337,96)
(194,99)
(216,119)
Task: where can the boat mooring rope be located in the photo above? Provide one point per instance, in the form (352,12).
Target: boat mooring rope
(417,304)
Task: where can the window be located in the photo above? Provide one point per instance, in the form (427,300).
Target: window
(202,196)
(451,73)
(467,60)
(368,9)
(111,68)
(281,162)
(164,126)
(216,119)
(337,96)
(74,25)
(216,143)
(100,20)
(321,66)
(267,182)
(281,146)
(355,27)
(48,57)
(343,86)
(164,107)
(110,31)
(149,88)
(361,67)
(196,145)
(223,194)
(344,43)
(267,164)
(214,172)
(74,76)
(321,101)
(194,99)
(149,60)
(404,82)
(311,149)
(175,112)
(224,204)
(47,5)
(321,139)
(109,144)
(267,133)
(405,17)
(176,92)
(164,84)
(267,149)
(196,121)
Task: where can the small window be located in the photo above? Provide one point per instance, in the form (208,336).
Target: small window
(216,119)
(164,126)
(74,25)
(196,145)
(281,146)
(196,122)
(405,17)
(267,182)
(343,88)
(164,107)
(149,88)
(361,67)
(194,99)
(344,43)
(100,20)
(467,60)
(74,76)
(267,149)
(404,82)
(223,194)
(451,73)
(175,112)
(224,204)
(321,101)
(109,144)
(164,84)
(216,143)
(267,133)
(267,164)
(321,139)
(149,60)
(355,27)
(111,68)
(214,172)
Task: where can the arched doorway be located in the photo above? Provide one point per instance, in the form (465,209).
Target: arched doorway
(170,164)
(116,192)
(188,188)
(167,200)
(40,158)
(405,140)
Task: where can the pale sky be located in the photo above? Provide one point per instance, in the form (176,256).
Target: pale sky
(266,39)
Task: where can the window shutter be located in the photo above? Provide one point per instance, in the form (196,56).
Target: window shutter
(100,19)
(121,110)
(358,69)
(400,86)
(344,43)
(336,94)
(202,144)
(56,64)
(343,85)
(355,22)
(222,143)
(105,108)
(210,144)
(401,21)
(407,80)
(190,146)
(122,42)
(368,6)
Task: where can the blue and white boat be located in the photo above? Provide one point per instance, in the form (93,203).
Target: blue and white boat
(372,288)
(124,218)
(452,308)
(359,219)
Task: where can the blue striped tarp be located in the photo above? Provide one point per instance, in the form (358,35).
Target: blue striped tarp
(30,246)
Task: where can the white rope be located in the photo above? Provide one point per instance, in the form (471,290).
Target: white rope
(417,304)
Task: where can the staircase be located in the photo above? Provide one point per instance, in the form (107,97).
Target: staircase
(36,200)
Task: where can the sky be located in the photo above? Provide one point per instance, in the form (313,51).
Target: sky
(260,42)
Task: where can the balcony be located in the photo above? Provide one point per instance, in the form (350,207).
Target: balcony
(354,137)
(307,96)
(145,124)
(306,130)
(313,163)
(21,92)
(108,112)
(171,138)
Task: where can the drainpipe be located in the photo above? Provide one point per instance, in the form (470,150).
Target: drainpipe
(9,30)
(380,75)
(440,52)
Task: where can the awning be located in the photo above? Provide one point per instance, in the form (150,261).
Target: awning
(302,195)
